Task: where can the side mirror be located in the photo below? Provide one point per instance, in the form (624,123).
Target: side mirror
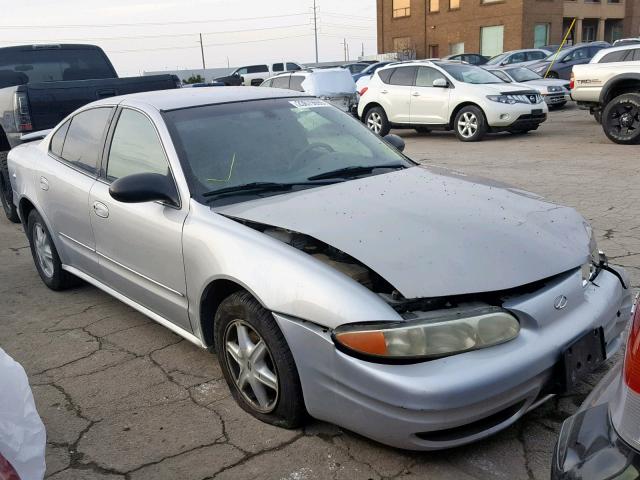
(144,187)
(395,141)
(440,83)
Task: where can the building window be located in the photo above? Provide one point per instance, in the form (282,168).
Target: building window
(540,35)
(434,5)
(456,48)
(491,40)
(401,44)
(589,33)
(454,4)
(401,8)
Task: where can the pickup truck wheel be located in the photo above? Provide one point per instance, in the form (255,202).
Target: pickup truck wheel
(257,363)
(45,255)
(621,119)
(6,193)
(470,124)
(376,120)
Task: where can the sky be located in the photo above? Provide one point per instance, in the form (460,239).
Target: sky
(147,35)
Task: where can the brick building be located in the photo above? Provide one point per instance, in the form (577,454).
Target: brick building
(435,28)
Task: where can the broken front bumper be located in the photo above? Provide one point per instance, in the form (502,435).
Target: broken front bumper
(462,398)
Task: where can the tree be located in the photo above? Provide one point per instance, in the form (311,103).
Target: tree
(194,79)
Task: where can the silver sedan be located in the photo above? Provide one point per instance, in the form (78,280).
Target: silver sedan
(332,275)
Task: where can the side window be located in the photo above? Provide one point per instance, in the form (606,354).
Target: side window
(296,83)
(278,67)
(636,55)
(385,75)
(281,82)
(535,56)
(257,69)
(135,147)
(266,83)
(83,143)
(403,76)
(517,58)
(614,57)
(242,71)
(426,76)
(293,67)
(579,54)
(57,141)
(501,75)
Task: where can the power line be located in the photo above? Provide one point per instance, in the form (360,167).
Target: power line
(342,25)
(350,36)
(342,15)
(139,24)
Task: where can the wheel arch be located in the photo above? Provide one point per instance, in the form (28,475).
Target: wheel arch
(618,85)
(460,107)
(368,107)
(24,209)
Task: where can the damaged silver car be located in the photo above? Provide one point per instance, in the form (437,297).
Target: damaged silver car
(331,274)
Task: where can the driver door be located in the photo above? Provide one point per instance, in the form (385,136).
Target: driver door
(140,244)
(429,104)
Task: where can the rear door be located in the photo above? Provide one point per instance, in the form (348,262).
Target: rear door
(429,104)
(140,244)
(65,182)
(395,97)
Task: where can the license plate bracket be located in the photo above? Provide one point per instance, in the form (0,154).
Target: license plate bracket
(581,358)
(537,111)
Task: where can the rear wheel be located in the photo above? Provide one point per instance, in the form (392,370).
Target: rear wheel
(621,119)
(6,192)
(376,120)
(470,124)
(257,363)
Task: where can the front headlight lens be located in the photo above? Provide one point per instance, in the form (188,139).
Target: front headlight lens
(510,99)
(590,269)
(436,334)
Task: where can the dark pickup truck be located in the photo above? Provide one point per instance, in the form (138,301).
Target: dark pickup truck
(42,84)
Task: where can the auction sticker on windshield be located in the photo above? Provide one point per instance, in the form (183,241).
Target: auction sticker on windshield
(309,103)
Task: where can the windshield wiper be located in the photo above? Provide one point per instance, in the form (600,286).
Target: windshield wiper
(259,187)
(350,172)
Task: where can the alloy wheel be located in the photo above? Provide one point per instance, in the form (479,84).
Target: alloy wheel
(468,125)
(252,366)
(374,122)
(624,119)
(43,250)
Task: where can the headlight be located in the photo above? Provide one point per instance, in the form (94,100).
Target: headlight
(502,99)
(435,334)
(591,268)
(518,98)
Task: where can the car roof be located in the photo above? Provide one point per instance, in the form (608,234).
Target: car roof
(621,48)
(165,100)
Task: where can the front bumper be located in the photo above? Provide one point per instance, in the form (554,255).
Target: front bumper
(501,117)
(589,447)
(459,399)
(552,99)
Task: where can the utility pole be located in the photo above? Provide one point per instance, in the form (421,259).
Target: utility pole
(204,67)
(362,49)
(315,26)
(344,48)
(348,56)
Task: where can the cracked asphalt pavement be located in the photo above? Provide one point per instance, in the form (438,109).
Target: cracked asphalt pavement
(122,397)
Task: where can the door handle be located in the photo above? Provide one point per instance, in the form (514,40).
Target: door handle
(100,209)
(44,184)
(384,91)
(415,94)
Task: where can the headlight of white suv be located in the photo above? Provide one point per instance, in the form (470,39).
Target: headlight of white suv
(436,334)
(510,99)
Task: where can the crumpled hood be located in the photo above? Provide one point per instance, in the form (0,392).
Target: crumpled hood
(433,233)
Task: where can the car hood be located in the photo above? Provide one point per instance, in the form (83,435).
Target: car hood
(547,82)
(433,233)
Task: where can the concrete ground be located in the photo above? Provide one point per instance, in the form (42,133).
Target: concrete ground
(122,397)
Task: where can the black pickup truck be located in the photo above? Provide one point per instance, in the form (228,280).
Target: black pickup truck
(41,84)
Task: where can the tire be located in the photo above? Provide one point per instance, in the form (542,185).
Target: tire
(621,119)
(470,124)
(376,120)
(6,192)
(50,272)
(283,406)
(423,130)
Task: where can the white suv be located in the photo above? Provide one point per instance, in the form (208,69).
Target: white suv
(441,94)
(256,74)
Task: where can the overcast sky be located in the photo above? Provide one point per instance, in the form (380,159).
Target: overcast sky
(164,34)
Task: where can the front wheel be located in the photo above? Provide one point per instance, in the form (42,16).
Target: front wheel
(6,192)
(376,120)
(257,363)
(470,124)
(621,119)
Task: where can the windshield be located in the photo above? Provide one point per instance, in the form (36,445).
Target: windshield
(523,74)
(51,65)
(497,59)
(559,55)
(284,140)
(470,73)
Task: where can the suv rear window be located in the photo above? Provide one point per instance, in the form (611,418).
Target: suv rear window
(52,65)
(403,76)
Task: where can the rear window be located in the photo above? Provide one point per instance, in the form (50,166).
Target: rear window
(403,76)
(296,83)
(386,74)
(52,65)
(83,143)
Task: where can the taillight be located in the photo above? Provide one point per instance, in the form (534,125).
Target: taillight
(572,82)
(363,91)
(21,112)
(632,356)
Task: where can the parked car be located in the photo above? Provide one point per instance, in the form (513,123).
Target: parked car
(471,58)
(611,91)
(559,64)
(555,92)
(518,56)
(602,440)
(626,41)
(232,80)
(623,53)
(420,308)
(334,85)
(448,95)
(42,84)
(355,68)
(254,75)
(367,72)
